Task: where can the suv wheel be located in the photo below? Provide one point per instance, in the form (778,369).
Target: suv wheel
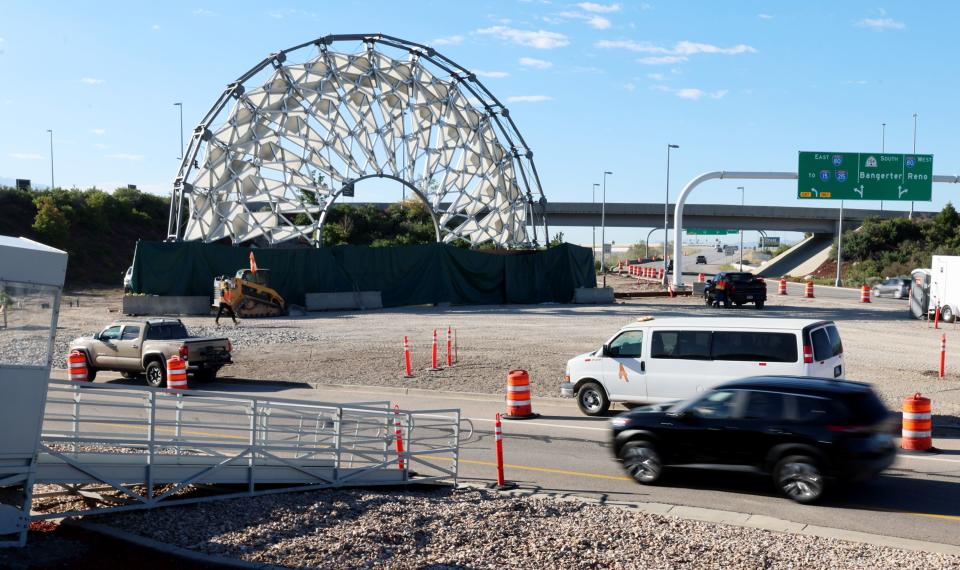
(759,305)
(642,462)
(799,478)
(592,400)
(156,374)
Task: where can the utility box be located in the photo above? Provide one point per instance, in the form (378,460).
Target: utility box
(945,286)
(31,282)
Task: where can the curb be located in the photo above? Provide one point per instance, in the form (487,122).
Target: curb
(734,518)
(169,549)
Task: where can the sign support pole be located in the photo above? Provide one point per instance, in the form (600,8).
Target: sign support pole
(839,280)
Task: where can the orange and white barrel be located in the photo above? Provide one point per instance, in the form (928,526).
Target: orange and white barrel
(865,294)
(519,404)
(808,290)
(77,366)
(917,424)
(701,278)
(176,373)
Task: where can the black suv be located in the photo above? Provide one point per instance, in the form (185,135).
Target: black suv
(802,431)
(741,287)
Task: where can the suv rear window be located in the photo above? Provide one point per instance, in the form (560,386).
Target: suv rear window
(167,331)
(864,408)
(754,346)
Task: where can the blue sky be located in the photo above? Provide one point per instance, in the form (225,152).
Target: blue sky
(592,86)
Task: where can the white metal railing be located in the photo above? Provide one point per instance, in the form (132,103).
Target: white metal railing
(138,447)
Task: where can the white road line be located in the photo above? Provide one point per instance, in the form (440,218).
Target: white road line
(924,458)
(528,423)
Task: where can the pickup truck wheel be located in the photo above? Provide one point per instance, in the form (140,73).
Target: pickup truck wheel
(91,371)
(206,375)
(592,399)
(156,374)
(760,305)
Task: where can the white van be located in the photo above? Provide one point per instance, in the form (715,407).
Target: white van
(663,360)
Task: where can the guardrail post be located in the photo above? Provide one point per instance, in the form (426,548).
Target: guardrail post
(76,418)
(178,419)
(337,442)
(251,458)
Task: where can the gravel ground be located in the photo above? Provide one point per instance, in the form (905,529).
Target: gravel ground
(896,354)
(371,528)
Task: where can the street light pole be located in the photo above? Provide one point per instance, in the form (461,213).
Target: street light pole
(666,214)
(52,185)
(914,152)
(603,229)
(741,229)
(595,185)
(181,128)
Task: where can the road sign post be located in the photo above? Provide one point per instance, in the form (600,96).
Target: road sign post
(865,176)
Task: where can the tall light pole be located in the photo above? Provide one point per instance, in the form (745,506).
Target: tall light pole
(666,213)
(181,128)
(52,185)
(603,229)
(883,148)
(595,185)
(914,152)
(740,188)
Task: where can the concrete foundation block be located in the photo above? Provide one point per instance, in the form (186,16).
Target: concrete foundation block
(342,301)
(594,296)
(157,305)
(698,289)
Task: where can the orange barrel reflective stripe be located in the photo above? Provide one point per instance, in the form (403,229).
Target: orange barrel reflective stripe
(519,406)
(77,366)
(917,423)
(176,373)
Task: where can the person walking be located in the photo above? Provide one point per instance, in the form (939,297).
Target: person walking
(226,289)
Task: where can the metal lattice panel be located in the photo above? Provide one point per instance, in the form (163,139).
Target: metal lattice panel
(297,132)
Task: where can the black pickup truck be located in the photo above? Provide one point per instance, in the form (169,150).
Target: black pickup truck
(741,288)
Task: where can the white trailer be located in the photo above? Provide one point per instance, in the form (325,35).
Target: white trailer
(945,286)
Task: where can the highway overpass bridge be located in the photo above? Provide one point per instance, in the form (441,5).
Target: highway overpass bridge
(714,216)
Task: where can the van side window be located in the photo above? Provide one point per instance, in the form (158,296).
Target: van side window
(822,349)
(690,345)
(754,346)
(629,344)
(835,344)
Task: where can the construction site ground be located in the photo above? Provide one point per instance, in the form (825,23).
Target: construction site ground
(882,346)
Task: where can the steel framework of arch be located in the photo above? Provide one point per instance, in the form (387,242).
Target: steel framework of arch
(310,130)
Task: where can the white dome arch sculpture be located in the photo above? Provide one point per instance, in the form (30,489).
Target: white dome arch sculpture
(392,109)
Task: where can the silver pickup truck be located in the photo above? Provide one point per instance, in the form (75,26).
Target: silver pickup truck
(142,346)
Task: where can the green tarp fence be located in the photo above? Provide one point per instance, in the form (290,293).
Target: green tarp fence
(405,275)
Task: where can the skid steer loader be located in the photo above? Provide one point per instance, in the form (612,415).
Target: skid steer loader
(248,293)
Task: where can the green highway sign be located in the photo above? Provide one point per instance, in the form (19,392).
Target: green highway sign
(709,232)
(865,176)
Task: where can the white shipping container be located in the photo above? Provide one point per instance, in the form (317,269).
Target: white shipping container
(945,286)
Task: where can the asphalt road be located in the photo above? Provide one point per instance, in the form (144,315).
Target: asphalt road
(566,452)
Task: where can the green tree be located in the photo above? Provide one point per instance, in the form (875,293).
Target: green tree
(50,223)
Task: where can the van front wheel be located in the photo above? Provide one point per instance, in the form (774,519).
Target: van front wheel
(592,399)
